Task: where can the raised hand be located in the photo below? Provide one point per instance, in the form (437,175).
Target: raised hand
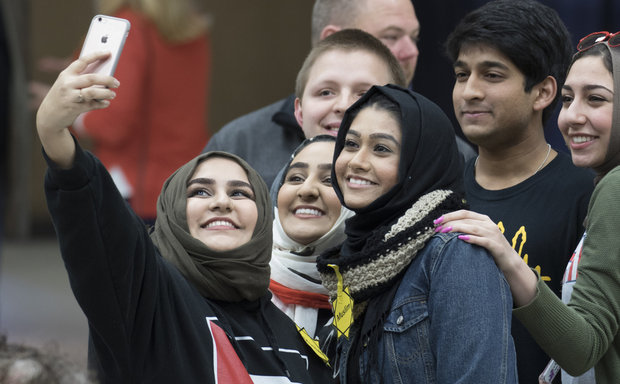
(73,93)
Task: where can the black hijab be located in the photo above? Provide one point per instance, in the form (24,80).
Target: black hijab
(429,161)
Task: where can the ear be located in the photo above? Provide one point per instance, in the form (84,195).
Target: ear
(328,30)
(545,92)
(298,115)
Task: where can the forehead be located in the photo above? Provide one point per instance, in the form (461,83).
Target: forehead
(372,121)
(343,66)
(474,55)
(317,152)
(220,169)
(375,16)
(589,70)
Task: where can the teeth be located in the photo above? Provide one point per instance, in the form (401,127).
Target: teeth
(220,223)
(307,211)
(581,139)
(359,182)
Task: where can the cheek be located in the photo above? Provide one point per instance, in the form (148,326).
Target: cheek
(340,167)
(284,197)
(562,123)
(250,215)
(390,171)
(331,201)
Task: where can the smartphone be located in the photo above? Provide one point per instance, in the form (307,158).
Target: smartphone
(551,370)
(106,33)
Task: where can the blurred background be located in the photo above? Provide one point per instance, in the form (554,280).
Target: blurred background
(256,49)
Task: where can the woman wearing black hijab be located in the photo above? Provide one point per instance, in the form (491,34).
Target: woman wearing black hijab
(410,305)
(187,302)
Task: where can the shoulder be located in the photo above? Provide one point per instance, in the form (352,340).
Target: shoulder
(448,251)
(607,191)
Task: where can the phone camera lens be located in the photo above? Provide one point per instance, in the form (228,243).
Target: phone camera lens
(99,19)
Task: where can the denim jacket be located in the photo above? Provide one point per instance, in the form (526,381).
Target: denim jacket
(449,321)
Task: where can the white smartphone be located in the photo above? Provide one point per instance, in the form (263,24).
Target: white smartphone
(106,33)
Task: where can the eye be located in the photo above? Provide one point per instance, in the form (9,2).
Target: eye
(566,99)
(325,92)
(493,76)
(200,192)
(461,76)
(241,194)
(596,99)
(350,144)
(294,179)
(382,148)
(327,180)
(390,37)
(361,92)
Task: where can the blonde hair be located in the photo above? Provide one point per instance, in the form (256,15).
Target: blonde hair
(176,20)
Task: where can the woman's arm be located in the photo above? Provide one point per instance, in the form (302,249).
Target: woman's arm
(481,230)
(73,93)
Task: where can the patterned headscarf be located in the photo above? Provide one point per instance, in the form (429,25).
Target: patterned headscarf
(238,274)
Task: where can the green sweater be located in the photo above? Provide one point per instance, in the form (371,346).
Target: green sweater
(584,334)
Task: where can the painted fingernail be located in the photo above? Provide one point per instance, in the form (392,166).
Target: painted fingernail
(438,221)
(463,237)
(446,229)
(438,229)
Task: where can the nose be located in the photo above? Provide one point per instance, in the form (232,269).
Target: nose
(308,190)
(406,49)
(573,114)
(221,202)
(359,161)
(343,101)
(470,89)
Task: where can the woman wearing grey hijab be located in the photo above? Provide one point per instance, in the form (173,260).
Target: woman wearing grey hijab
(187,301)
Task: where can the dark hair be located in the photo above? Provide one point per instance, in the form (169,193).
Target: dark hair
(350,40)
(599,50)
(529,33)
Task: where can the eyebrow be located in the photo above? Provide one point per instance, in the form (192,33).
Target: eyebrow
(303,165)
(485,64)
(589,87)
(209,181)
(375,136)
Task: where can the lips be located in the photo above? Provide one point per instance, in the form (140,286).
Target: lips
(358,181)
(332,128)
(308,212)
(219,223)
(581,139)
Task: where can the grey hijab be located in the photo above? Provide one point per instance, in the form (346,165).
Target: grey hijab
(239,274)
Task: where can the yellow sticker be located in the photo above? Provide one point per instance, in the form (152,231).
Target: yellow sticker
(342,306)
(314,344)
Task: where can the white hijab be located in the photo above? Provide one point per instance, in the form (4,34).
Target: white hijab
(291,262)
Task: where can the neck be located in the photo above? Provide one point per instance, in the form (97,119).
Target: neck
(495,170)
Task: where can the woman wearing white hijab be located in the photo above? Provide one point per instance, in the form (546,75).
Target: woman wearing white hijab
(309,219)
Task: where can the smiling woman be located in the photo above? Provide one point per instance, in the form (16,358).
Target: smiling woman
(308,220)
(187,301)
(403,294)
(216,186)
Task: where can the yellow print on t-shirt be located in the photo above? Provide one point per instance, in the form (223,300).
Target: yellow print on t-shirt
(519,240)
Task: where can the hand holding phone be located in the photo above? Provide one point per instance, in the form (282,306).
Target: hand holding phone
(105,34)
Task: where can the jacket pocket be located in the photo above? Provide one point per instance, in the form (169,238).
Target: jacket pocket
(406,342)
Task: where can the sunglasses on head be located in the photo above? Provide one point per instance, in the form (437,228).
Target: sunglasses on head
(612,39)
